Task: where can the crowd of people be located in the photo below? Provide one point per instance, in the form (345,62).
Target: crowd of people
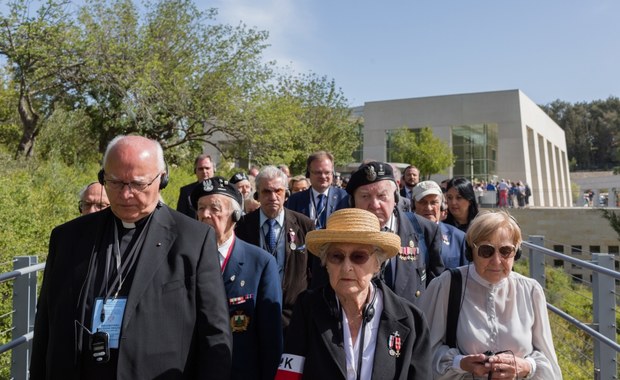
(508,194)
(269,275)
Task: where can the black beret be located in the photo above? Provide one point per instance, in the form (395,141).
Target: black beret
(238,178)
(368,173)
(214,185)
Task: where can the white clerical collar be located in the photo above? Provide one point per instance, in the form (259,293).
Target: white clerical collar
(128,225)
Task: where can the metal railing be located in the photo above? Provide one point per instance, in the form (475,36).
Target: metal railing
(602,330)
(24,276)
(603,327)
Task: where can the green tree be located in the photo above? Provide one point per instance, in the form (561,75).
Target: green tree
(422,149)
(173,75)
(613,219)
(592,132)
(299,115)
(9,119)
(41,51)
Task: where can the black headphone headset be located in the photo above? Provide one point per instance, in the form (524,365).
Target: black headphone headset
(369,308)
(236,216)
(163,180)
(469,253)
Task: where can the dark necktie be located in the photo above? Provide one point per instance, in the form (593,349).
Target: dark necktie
(321,211)
(388,276)
(271,235)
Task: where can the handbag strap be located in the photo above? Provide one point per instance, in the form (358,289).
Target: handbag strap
(454,306)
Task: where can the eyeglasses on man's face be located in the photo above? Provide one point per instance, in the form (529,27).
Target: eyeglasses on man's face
(487,250)
(134,186)
(267,192)
(324,173)
(85,205)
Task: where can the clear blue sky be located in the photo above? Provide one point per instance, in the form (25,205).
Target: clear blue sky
(379,50)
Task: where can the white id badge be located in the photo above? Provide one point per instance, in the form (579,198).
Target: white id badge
(114,309)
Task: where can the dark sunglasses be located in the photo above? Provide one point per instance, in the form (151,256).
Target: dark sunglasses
(357,258)
(487,250)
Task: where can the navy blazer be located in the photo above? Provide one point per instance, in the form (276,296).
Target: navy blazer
(297,262)
(403,193)
(316,334)
(175,324)
(254,295)
(412,276)
(452,246)
(183,203)
(301,202)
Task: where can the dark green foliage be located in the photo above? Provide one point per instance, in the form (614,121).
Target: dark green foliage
(613,218)
(592,132)
(573,346)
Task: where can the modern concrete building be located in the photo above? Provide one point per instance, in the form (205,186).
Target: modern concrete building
(494,135)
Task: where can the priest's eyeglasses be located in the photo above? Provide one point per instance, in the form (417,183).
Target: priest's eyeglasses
(135,187)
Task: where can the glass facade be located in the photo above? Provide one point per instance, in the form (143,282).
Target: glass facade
(475,149)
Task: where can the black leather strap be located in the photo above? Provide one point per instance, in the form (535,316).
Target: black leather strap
(454,306)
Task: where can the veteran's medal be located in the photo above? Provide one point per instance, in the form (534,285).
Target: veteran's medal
(239,322)
(394,344)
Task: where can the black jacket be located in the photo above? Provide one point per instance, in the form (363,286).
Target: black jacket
(316,333)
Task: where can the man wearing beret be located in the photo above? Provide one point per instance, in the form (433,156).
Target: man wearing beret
(244,186)
(373,187)
(281,232)
(427,199)
(251,281)
(322,198)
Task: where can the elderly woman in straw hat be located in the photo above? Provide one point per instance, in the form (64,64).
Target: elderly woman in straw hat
(355,327)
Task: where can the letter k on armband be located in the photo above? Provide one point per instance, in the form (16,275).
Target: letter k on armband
(291,367)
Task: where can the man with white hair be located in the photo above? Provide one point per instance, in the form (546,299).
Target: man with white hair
(93,198)
(135,290)
(281,232)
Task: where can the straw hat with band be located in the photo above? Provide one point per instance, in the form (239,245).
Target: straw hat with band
(353,225)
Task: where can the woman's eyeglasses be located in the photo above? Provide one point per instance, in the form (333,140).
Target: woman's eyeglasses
(487,250)
(357,258)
